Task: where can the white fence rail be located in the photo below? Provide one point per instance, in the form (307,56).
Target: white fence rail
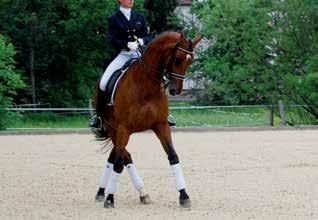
(171,108)
(199,116)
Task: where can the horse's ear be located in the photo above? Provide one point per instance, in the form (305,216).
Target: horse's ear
(183,36)
(197,39)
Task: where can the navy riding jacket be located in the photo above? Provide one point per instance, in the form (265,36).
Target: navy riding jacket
(121,31)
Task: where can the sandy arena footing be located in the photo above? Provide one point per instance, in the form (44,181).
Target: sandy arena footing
(229,175)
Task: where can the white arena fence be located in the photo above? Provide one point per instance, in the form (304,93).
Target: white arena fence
(197,116)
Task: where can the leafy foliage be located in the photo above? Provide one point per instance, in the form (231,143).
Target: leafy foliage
(237,63)
(62,46)
(10,80)
(68,40)
(263,51)
(297,49)
(161,15)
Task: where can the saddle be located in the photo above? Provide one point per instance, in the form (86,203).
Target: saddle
(112,83)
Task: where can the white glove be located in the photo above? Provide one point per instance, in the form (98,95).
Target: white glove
(141,41)
(133,46)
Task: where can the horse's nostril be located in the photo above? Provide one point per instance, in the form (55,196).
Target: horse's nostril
(172,91)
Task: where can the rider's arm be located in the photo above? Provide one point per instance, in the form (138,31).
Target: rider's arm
(113,35)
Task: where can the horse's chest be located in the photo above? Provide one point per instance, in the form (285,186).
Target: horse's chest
(144,116)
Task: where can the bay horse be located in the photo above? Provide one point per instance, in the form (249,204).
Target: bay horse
(141,104)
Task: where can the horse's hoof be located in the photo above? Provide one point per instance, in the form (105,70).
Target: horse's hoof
(99,198)
(185,203)
(108,204)
(145,199)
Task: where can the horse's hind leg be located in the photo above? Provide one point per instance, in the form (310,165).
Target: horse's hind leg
(135,178)
(164,134)
(104,178)
(132,171)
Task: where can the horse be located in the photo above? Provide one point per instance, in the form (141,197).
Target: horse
(141,104)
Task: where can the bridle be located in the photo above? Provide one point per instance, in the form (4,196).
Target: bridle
(167,74)
(168,70)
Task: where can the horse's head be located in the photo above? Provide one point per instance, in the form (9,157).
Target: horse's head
(178,57)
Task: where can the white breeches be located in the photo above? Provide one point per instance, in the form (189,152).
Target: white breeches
(116,64)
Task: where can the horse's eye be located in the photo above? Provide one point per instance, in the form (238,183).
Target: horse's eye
(178,61)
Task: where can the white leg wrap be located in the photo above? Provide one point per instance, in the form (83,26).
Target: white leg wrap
(112,185)
(142,192)
(135,178)
(104,179)
(177,172)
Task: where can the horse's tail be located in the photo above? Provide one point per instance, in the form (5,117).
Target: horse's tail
(103,135)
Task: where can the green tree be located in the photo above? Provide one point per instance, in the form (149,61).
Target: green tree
(237,64)
(161,15)
(10,80)
(296,24)
(263,51)
(61,46)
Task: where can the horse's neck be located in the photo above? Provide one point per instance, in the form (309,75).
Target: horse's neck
(148,75)
(147,80)
(143,82)
(152,60)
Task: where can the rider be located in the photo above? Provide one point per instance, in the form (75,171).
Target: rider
(127,30)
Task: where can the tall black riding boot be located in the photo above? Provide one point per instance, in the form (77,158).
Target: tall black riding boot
(101,102)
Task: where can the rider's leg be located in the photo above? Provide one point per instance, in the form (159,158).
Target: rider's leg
(117,63)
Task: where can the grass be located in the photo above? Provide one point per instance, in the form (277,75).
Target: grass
(220,117)
(50,120)
(217,117)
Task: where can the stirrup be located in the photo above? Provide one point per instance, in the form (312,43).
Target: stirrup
(96,123)
(171,121)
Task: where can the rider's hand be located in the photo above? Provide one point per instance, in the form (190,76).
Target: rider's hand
(133,46)
(141,41)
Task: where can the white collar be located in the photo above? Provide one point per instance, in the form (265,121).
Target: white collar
(126,12)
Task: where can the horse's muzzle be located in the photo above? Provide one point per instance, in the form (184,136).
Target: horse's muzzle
(172,91)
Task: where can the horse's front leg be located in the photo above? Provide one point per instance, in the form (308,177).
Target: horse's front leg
(135,178)
(164,134)
(121,140)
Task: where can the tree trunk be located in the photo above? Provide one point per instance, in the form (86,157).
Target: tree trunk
(32,75)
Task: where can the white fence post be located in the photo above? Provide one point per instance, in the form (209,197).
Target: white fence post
(282,112)
(90,107)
